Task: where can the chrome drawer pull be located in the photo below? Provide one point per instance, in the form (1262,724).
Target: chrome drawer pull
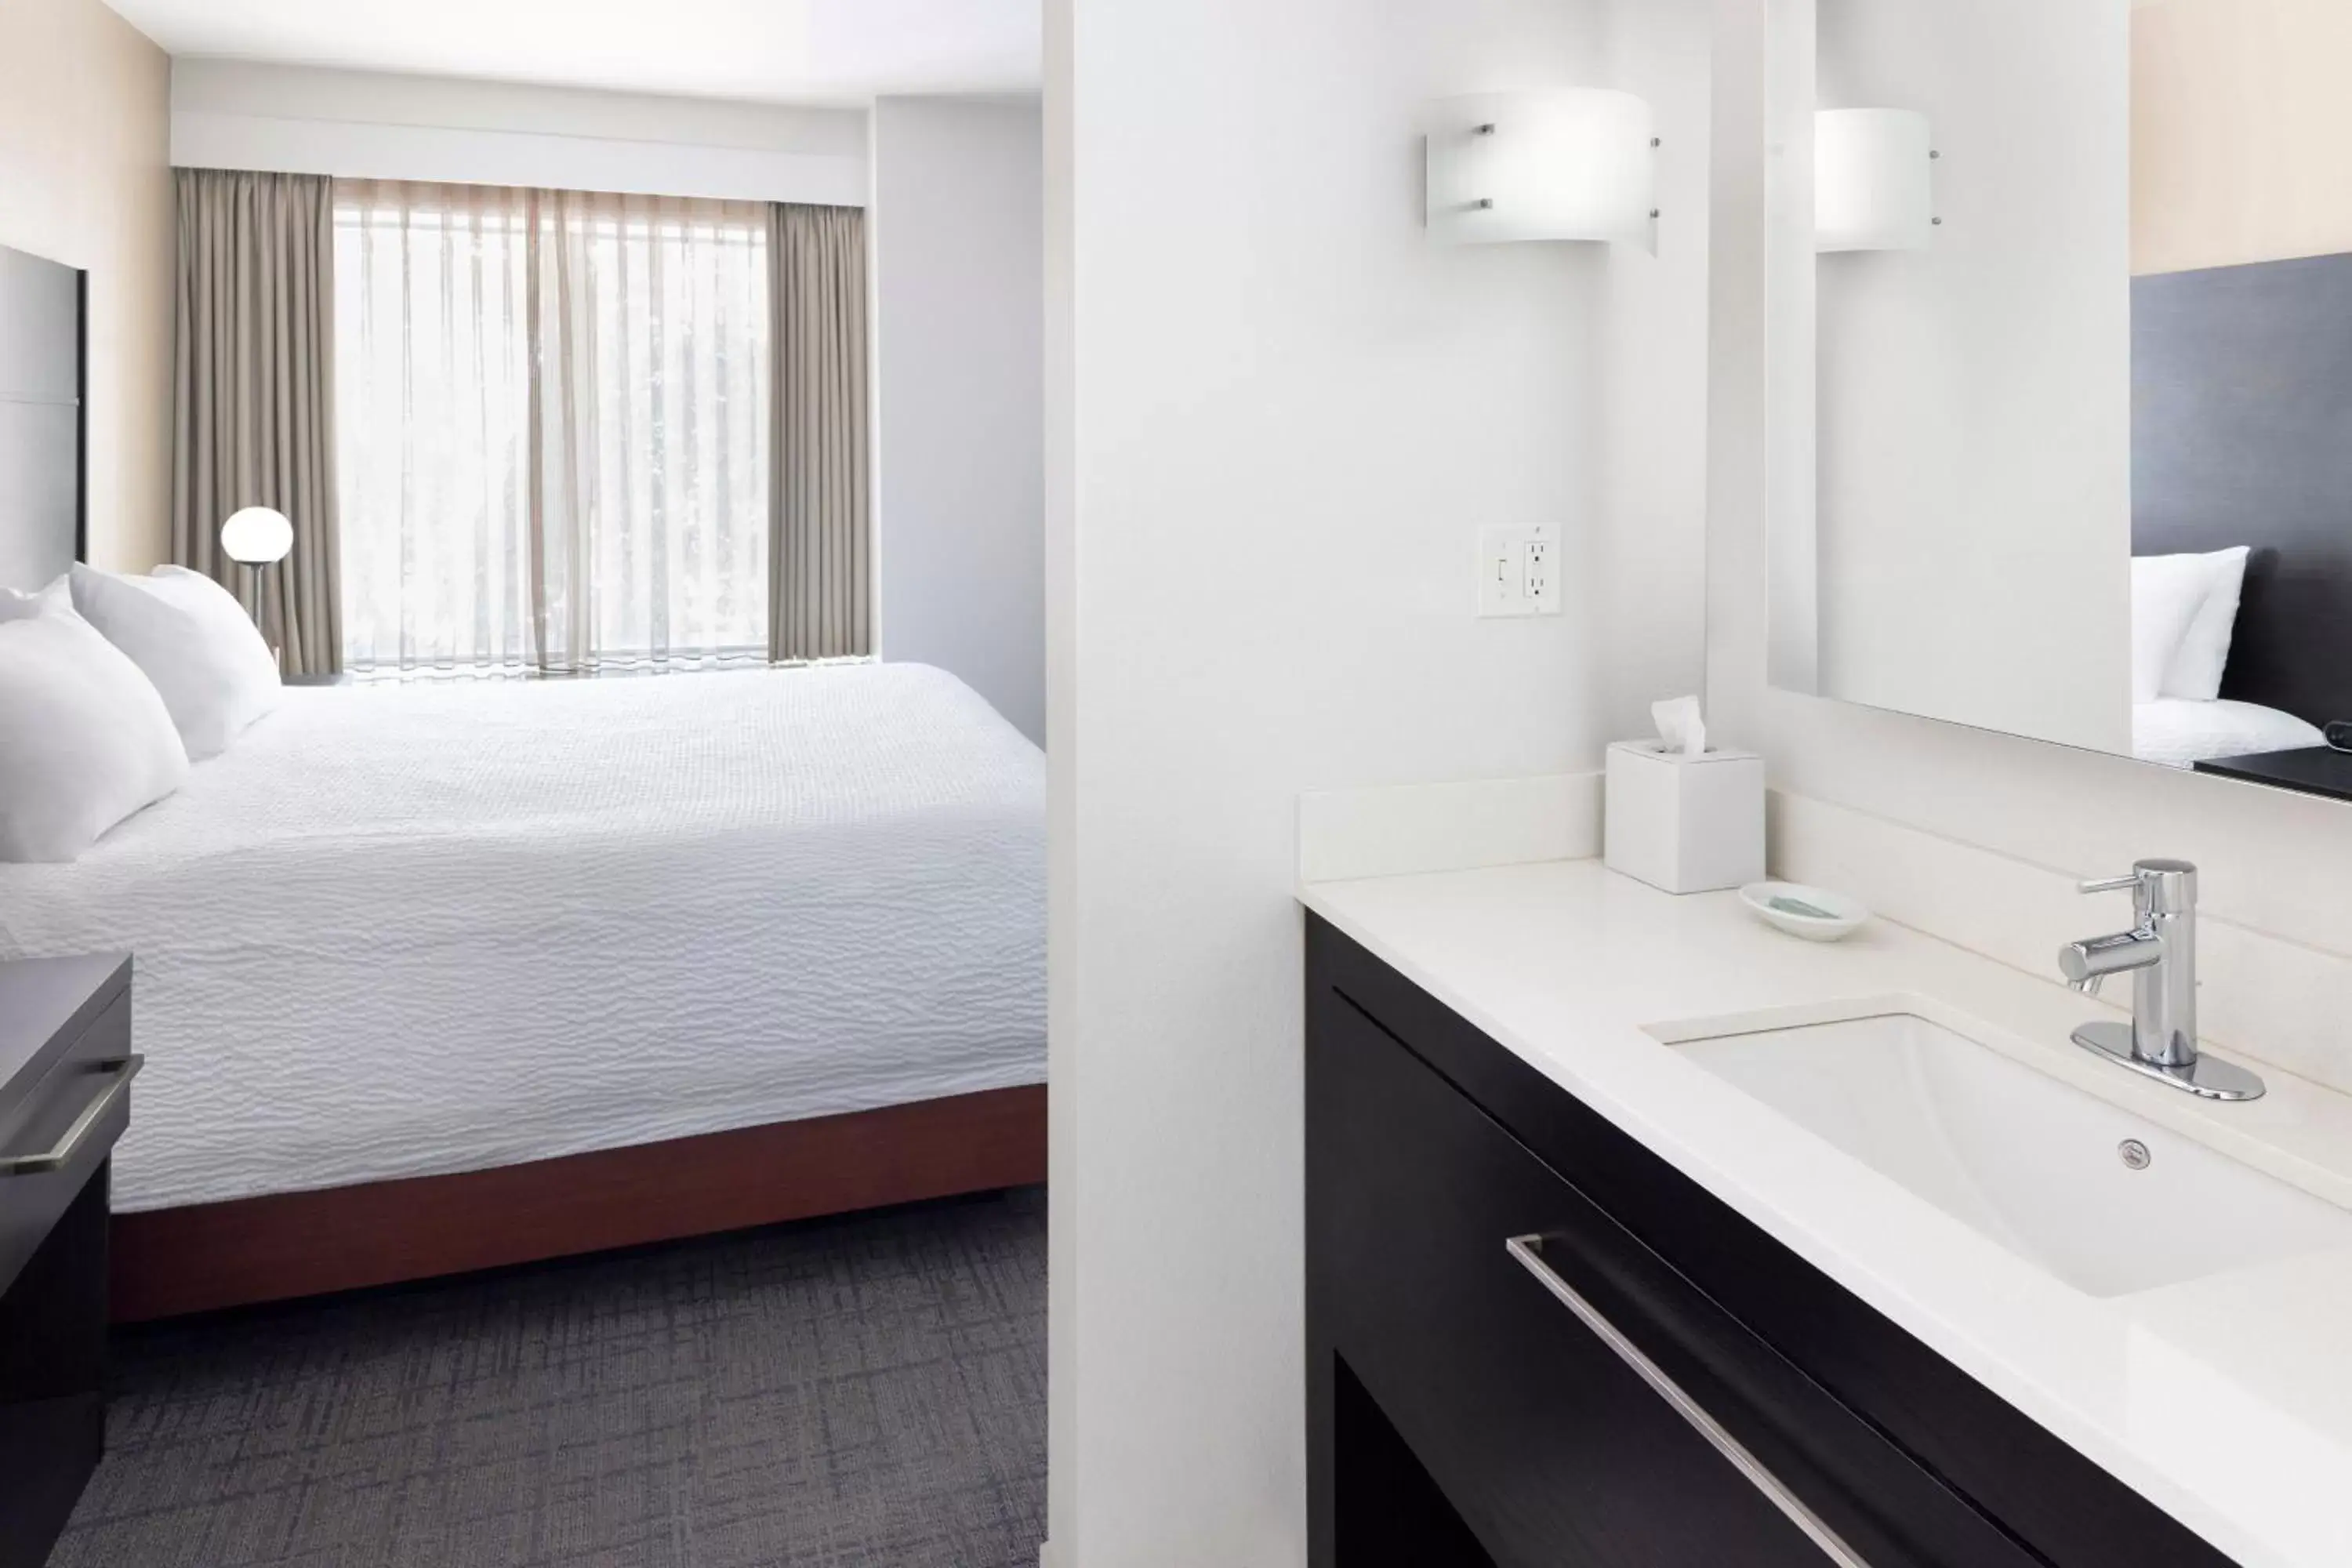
(1528,1250)
(121,1070)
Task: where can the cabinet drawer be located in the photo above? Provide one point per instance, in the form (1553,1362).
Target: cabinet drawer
(57,1135)
(1496,1366)
(52,1379)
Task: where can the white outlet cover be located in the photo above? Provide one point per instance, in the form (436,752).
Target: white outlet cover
(1505,585)
(1539,576)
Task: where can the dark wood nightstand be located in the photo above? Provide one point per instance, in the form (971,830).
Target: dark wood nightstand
(66,1067)
(2312,770)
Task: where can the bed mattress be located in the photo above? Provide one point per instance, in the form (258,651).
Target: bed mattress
(405,930)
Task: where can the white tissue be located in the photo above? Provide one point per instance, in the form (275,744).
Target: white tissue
(1680,727)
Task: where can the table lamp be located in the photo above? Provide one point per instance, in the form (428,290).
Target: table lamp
(256,537)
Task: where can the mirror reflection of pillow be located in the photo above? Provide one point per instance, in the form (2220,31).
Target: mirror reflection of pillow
(194,640)
(2203,656)
(85,739)
(2168,591)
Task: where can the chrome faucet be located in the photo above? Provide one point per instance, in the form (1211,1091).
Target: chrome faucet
(2160,951)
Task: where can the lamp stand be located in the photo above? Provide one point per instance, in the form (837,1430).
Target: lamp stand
(253,580)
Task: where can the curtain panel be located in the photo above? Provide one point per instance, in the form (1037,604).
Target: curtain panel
(821,545)
(254,388)
(555,426)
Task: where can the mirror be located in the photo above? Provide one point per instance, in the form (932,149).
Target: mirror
(2061,360)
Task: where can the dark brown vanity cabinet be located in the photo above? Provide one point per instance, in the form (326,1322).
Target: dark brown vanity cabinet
(1531,1342)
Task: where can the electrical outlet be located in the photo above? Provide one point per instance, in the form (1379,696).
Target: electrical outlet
(1535,576)
(1515,573)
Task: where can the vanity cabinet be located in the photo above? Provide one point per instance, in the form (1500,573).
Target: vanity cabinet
(1532,1342)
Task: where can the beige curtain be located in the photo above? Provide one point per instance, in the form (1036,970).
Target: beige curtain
(253,420)
(554,429)
(820,551)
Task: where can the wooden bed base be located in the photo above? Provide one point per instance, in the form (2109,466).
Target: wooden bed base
(167,1262)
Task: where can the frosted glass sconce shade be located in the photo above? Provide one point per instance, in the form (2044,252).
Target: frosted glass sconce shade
(1871,185)
(1569,163)
(256,536)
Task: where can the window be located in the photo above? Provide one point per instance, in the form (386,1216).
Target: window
(552,429)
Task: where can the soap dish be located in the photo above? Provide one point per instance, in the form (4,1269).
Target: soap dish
(1814,913)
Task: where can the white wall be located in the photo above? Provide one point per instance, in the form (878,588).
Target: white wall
(958,232)
(1972,455)
(230,114)
(1278,417)
(83,180)
(2274,864)
(2240,129)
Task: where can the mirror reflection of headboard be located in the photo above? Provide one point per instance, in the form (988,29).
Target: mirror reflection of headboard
(2242,434)
(42,432)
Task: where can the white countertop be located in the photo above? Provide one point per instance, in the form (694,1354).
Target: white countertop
(2226,1400)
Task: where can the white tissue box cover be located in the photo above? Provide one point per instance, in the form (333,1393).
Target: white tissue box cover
(1688,825)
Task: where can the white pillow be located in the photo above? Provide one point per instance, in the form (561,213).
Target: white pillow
(2167,593)
(16,606)
(195,643)
(2198,663)
(85,740)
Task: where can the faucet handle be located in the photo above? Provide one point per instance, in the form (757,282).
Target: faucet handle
(2157,887)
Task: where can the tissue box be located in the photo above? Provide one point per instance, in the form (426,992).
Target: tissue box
(1689,825)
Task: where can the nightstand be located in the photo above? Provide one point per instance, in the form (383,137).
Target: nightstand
(2314,770)
(337,679)
(66,1067)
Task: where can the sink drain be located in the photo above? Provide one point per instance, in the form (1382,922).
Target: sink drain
(2134,1154)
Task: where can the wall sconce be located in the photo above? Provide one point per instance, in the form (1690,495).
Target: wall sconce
(1568,164)
(1871,189)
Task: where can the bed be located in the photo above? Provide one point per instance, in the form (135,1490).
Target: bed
(2181,733)
(447,976)
(401,933)
(2242,435)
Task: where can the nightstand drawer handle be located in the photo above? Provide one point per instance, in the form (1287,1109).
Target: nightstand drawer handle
(118,1073)
(1528,1250)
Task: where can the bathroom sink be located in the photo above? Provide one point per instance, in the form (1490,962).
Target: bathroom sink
(2104,1201)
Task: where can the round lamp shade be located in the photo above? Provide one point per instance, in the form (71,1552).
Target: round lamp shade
(256,536)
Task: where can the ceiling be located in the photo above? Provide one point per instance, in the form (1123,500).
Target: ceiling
(791,51)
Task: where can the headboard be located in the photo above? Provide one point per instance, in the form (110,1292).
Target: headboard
(43,437)
(2242,434)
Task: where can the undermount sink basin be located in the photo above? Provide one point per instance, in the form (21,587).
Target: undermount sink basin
(2053,1174)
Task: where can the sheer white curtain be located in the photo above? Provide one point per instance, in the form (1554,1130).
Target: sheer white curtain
(553,428)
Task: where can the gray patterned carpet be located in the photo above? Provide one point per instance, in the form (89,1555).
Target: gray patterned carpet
(843,1392)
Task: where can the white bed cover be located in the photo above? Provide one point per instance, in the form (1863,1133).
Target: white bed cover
(402,930)
(2181,733)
